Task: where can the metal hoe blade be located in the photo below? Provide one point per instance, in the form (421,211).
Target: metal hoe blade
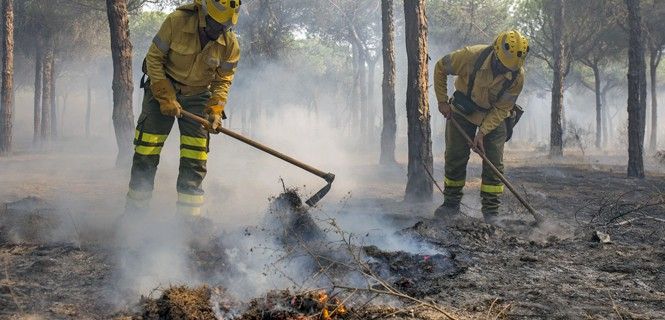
(313,200)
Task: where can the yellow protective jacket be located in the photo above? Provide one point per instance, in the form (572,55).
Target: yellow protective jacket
(485,89)
(176,53)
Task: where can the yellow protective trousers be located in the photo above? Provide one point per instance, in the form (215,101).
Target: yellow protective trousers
(152,131)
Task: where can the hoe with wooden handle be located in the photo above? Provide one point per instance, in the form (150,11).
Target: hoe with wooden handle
(539,218)
(328,177)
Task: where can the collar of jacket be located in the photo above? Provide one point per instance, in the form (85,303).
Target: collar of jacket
(202,23)
(487,65)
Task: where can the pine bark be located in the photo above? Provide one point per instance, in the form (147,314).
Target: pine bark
(389,131)
(636,91)
(556,128)
(121,50)
(654,59)
(37,102)
(47,77)
(419,184)
(7,107)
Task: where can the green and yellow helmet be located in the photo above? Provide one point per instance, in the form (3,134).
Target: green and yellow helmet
(511,47)
(223,11)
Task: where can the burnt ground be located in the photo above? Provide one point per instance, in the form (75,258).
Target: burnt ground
(515,271)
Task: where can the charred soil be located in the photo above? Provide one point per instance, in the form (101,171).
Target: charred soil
(514,271)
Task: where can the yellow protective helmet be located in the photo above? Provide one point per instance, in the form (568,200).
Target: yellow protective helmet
(511,47)
(223,11)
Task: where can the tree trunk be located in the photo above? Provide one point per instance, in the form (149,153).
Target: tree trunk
(371,75)
(121,49)
(636,91)
(556,129)
(54,104)
(607,124)
(654,59)
(599,107)
(419,184)
(389,131)
(88,110)
(47,67)
(362,84)
(355,88)
(39,72)
(7,107)
(63,110)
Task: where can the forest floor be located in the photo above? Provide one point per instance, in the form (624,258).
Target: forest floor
(58,263)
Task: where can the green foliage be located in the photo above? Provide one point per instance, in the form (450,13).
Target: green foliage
(457,23)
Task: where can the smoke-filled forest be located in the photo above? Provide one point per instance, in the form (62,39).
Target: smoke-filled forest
(333,159)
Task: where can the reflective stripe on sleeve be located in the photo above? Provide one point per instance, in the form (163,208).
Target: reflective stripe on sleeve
(447,65)
(161,45)
(228,66)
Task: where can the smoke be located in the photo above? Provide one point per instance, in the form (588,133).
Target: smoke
(287,105)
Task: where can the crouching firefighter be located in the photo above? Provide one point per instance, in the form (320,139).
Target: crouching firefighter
(489,80)
(190,65)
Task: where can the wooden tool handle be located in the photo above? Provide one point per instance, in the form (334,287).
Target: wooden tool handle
(329,177)
(503,179)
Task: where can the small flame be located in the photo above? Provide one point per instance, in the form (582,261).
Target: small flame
(322,297)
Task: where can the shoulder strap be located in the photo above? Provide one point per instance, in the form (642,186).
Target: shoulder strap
(479,62)
(508,84)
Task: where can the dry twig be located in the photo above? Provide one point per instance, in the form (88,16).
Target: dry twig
(11,291)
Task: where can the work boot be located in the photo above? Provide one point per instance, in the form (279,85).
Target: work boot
(447,211)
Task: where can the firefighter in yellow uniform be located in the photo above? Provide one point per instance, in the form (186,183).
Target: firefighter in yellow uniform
(489,80)
(190,65)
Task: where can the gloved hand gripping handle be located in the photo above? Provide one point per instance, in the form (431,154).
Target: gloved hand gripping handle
(328,177)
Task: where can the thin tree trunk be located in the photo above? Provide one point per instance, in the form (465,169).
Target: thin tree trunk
(556,129)
(371,72)
(636,91)
(7,107)
(88,110)
(654,59)
(419,184)
(47,66)
(39,73)
(54,102)
(362,78)
(608,131)
(389,131)
(63,110)
(362,82)
(599,107)
(355,87)
(121,49)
